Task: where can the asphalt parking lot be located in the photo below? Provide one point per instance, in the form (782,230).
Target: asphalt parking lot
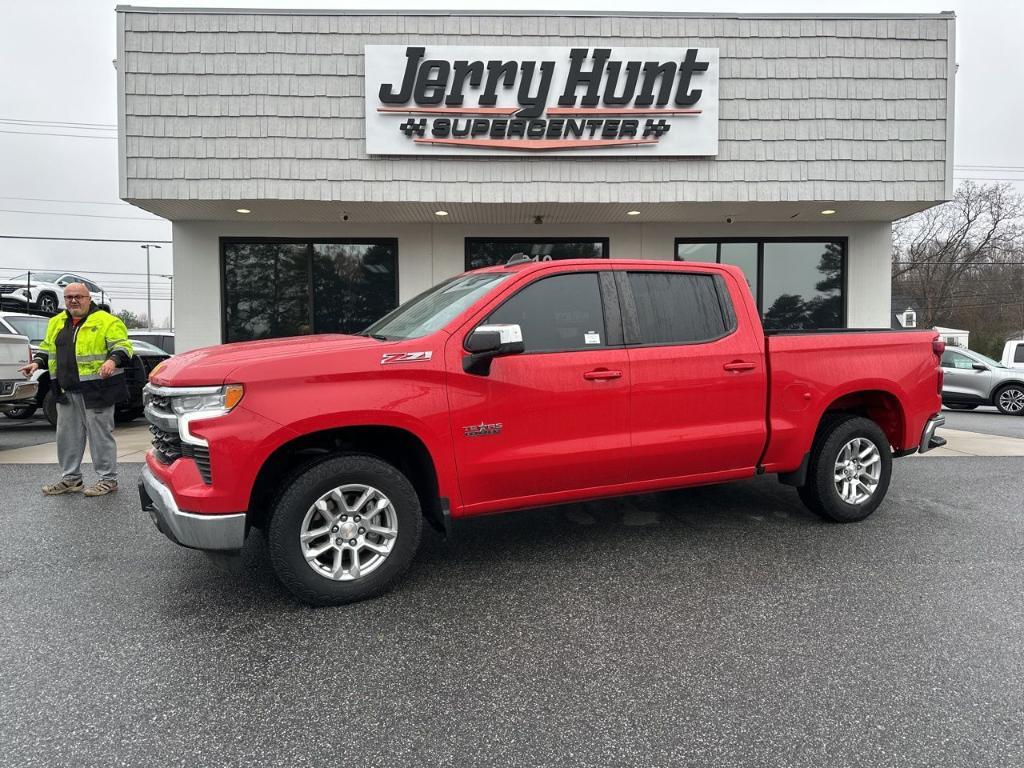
(718,626)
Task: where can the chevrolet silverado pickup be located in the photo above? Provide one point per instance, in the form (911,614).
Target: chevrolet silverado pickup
(520,386)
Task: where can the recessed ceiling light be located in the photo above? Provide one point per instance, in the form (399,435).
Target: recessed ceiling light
(242,210)
(827,212)
(440,213)
(632,213)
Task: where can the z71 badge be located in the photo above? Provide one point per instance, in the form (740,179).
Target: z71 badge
(480,430)
(405,357)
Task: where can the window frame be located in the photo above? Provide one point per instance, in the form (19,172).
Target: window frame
(309,242)
(843,241)
(468,241)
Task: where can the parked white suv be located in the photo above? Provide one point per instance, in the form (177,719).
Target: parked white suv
(44,291)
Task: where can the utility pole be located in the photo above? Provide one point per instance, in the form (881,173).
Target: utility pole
(149,290)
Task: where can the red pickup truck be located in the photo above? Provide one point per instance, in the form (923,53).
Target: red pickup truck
(520,386)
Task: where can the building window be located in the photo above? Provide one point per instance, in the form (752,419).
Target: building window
(797,283)
(495,251)
(274,288)
(910,319)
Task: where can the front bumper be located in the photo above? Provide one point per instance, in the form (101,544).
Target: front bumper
(928,438)
(209,532)
(18,392)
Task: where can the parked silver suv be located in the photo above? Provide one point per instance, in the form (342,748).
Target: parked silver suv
(971,379)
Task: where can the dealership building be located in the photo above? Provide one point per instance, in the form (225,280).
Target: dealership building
(320,167)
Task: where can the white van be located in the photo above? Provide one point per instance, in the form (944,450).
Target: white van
(1013,354)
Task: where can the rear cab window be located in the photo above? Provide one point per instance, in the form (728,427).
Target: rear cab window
(680,307)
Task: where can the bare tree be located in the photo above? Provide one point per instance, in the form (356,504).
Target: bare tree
(936,251)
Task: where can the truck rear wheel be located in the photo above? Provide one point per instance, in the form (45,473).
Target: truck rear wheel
(344,529)
(849,471)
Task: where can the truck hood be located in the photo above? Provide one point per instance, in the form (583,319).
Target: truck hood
(210,366)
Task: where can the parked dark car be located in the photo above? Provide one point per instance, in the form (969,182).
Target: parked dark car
(145,359)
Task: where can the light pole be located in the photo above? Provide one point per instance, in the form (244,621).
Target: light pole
(149,292)
(171,278)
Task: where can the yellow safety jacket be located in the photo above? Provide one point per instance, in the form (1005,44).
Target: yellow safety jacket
(98,337)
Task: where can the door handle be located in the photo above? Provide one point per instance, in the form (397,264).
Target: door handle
(740,366)
(602,374)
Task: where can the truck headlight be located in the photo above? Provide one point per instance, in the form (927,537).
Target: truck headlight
(218,402)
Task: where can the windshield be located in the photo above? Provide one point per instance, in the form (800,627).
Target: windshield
(433,309)
(33,327)
(145,348)
(37,277)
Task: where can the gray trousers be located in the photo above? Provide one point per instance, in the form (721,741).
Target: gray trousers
(75,422)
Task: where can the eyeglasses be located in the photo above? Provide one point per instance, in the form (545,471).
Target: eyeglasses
(76,297)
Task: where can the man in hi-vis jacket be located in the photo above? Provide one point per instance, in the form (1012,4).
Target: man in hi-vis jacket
(86,350)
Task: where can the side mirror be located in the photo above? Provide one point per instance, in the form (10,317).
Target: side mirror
(980,367)
(63,283)
(487,342)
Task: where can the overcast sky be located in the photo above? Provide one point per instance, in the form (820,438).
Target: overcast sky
(55,56)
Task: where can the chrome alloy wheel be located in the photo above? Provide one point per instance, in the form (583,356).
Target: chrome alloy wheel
(858,470)
(1011,400)
(349,532)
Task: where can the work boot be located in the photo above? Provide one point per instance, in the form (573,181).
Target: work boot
(64,486)
(102,488)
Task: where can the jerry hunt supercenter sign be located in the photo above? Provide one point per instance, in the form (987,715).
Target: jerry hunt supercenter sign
(464,100)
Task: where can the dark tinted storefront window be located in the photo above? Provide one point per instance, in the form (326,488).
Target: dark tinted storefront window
(803,285)
(798,284)
(493,252)
(294,288)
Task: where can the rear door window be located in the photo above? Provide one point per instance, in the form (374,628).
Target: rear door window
(561,313)
(680,308)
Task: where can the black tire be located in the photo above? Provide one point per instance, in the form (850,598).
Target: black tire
(48,303)
(820,494)
(960,406)
(307,486)
(50,408)
(21,412)
(127,415)
(1010,400)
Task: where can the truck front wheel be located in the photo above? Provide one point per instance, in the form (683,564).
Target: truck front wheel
(849,471)
(344,529)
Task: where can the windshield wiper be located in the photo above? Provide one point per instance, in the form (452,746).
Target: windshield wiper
(377,336)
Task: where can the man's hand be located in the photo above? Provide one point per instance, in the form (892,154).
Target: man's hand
(29,369)
(107,369)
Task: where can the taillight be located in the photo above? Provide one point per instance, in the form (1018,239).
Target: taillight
(938,346)
(942,376)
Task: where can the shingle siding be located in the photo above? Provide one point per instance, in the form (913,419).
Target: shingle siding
(251,105)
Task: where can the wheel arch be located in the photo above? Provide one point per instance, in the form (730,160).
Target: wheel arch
(398,447)
(880,406)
